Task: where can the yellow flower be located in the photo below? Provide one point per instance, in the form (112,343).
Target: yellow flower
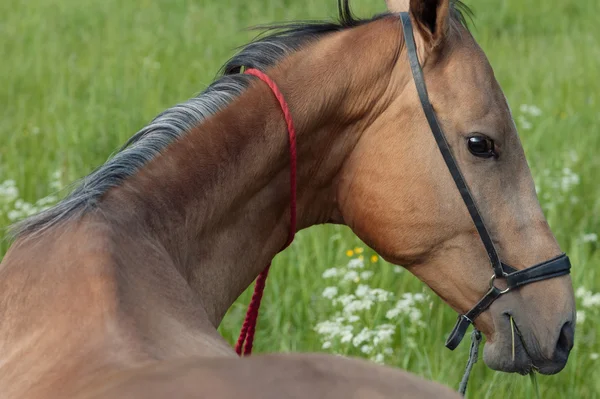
(358,250)
(361,257)
(349,252)
(374,259)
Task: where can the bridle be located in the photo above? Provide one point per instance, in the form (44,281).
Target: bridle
(554,267)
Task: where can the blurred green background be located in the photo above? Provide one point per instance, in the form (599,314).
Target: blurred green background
(78,78)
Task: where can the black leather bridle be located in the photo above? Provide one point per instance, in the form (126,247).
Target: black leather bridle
(555,267)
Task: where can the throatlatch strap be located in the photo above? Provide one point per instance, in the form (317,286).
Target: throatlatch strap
(444,147)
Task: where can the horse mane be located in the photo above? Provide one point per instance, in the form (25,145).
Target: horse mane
(275,42)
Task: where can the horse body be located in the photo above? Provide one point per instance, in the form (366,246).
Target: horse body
(123,296)
(73,314)
(119,297)
(73,328)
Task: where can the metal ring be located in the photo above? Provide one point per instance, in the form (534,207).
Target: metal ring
(504,291)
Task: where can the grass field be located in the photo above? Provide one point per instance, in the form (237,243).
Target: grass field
(78,78)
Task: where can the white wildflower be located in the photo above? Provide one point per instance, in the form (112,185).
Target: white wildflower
(333,272)
(392,313)
(524,123)
(381,295)
(356,263)
(406,306)
(367,274)
(574,156)
(346,337)
(415,315)
(385,332)
(335,237)
(378,358)
(45,202)
(594,356)
(361,291)
(13,215)
(327,328)
(530,109)
(569,179)
(8,191)
(534,111)
(344,299)
(349,328)
(56,180)
(363,336)
(588,298)
(366,349)
(591,237)
(591,301)
(358,305)
(330,292)
(580,316)
(350,275)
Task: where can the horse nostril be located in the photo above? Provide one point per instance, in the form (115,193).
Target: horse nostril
(565,339)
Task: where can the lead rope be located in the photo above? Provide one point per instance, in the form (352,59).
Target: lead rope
(473,357)
(246,338)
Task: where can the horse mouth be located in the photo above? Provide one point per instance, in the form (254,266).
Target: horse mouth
(510,353)
(518,345)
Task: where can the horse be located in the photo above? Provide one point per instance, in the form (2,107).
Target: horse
(118,290)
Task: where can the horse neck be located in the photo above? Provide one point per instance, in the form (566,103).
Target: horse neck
(218,199)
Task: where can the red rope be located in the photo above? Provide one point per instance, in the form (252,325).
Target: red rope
(246,339)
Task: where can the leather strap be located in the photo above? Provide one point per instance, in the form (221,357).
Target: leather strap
(464,320)
(555,267)
(444,147)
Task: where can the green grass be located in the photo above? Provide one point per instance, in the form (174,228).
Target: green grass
(78,78)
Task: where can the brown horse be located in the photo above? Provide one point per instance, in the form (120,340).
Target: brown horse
(118,290)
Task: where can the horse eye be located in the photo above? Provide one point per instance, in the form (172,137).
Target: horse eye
(482,147)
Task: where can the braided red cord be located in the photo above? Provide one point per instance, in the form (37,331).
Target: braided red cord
(246,339)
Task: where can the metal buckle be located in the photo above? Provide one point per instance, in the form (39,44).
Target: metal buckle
(492,286)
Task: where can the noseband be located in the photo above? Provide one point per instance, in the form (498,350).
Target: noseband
(555,267)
